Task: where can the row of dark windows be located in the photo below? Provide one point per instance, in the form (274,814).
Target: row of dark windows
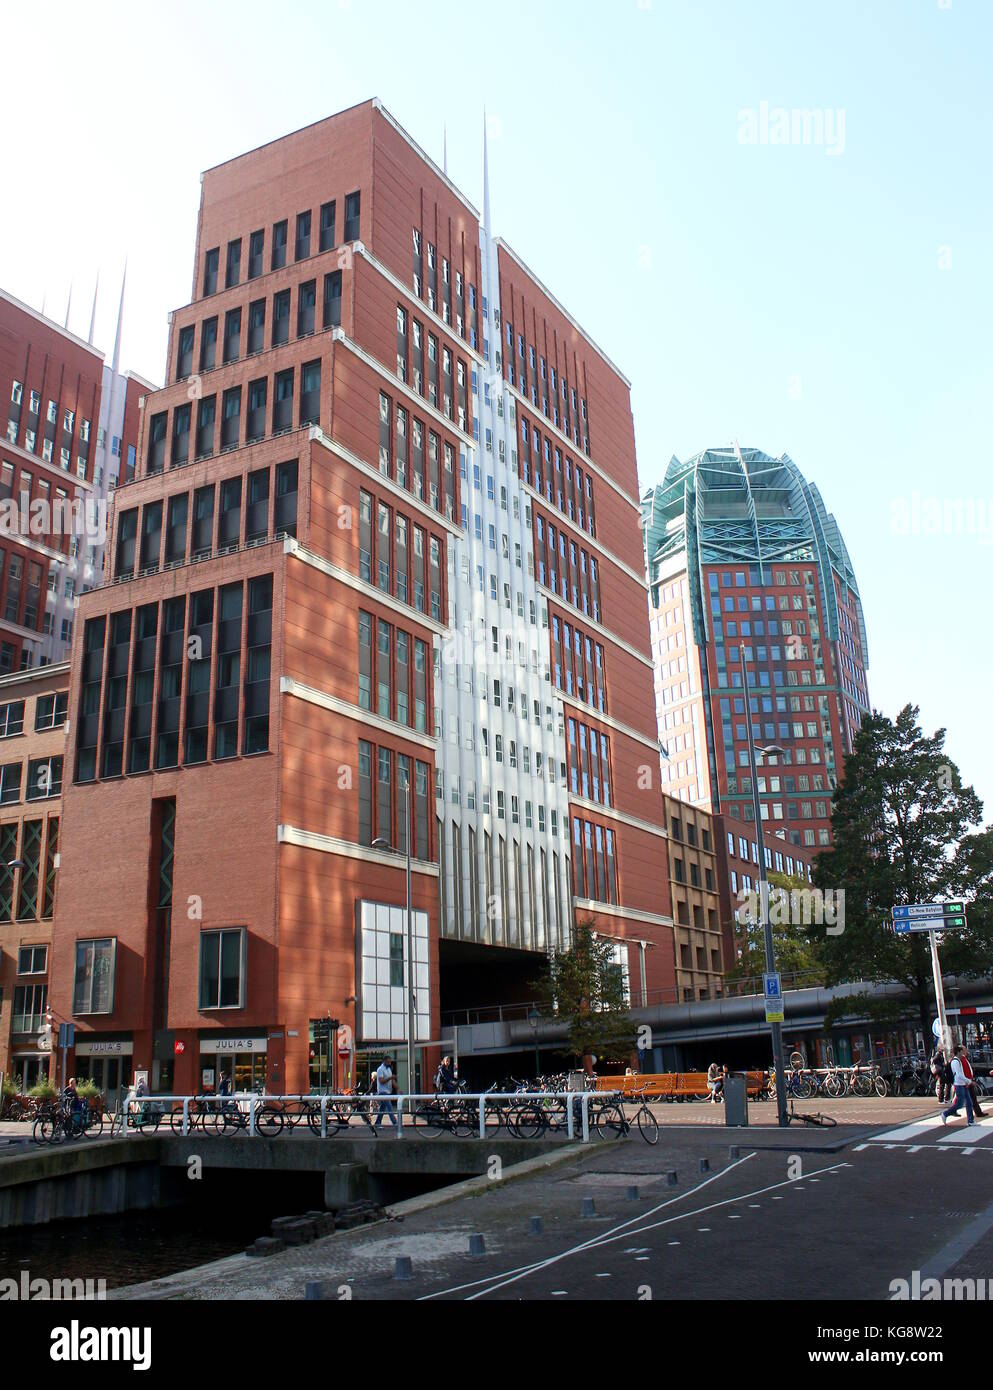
(588,754)
(594,861)
(384,780)
(245,326)
(566,568)
(32,492)
(432,370)
(560,481)
(415,459)
(308,239)
(248,512)
(44,780)
(56,442)
(425,257)
(547,390)
(401,559)
(255,417)
(577,664)
(157,681)
(20,590)
(394,673)
(49,713)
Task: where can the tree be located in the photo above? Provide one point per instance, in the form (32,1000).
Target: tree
(799,944)
(585,986)
(901,823)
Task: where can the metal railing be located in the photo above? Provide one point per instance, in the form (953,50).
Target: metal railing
(370,1106)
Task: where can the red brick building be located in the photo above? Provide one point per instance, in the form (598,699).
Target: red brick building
(383,536)
(70,433)
(32,746)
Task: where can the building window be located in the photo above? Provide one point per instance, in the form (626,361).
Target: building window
(352,205)
(222,969)
(12,717)
(10,783)
(44,778)
(93,987)
(211,262)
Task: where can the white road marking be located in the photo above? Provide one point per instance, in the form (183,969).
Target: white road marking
(609,1237)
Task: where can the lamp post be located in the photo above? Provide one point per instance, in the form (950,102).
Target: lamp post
(533,1020)
(385,844)
(770,954)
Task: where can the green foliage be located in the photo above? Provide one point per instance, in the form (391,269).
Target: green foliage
(585,987)
(43,1090)
(799,947)
(87,1090)
(902,829)
(10,1085)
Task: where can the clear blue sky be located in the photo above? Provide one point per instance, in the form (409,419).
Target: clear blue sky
(832,306)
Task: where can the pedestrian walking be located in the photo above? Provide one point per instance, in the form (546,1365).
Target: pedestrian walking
(386,1086)
(970,1077)
(963,1093)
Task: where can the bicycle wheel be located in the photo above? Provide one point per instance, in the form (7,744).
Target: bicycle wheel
(45,1130)
(610,1122)
(430,1121)
(862,1086)
(269,1121)
(93,1124)
(648,1125)
(882,1089)
(529,1122)
(464,1121)
(832,1086)
(802,1088)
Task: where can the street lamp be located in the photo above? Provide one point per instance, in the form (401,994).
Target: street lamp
(771,750)
(385,844)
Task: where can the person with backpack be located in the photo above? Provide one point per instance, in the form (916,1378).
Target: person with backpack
(942,1072)
(963,1093)
(970,1077)
(445,1081)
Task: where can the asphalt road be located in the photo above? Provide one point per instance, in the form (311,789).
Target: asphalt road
(801,1214)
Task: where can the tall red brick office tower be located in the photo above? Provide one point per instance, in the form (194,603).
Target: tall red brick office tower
(384,533)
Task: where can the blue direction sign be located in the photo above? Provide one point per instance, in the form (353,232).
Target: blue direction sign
(929,917)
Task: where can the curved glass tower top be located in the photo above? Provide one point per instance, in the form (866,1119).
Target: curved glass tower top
(731,505)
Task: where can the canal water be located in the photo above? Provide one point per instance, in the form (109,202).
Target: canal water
(224,1218)
(126,1249)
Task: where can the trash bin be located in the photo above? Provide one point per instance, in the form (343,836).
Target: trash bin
(735,1100)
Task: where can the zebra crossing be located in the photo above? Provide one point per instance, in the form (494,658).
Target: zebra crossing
(930,1133)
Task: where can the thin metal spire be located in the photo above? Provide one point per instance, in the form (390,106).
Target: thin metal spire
(116,364)
(444,151)
(93,311)
(486,179)
(69,305)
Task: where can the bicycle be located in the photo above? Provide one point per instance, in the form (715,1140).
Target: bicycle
(446,1114)
(806,1117)
(612,1123)
(231,1118)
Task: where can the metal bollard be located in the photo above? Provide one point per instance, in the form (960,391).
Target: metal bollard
(477,1245)
(671,1178)
(536,1227)
(403,1267)
(315,1289)
(705,1165)
(589,1207)
(632,1194)
(734,1151)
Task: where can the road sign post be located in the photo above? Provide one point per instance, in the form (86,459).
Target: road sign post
(932,918)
